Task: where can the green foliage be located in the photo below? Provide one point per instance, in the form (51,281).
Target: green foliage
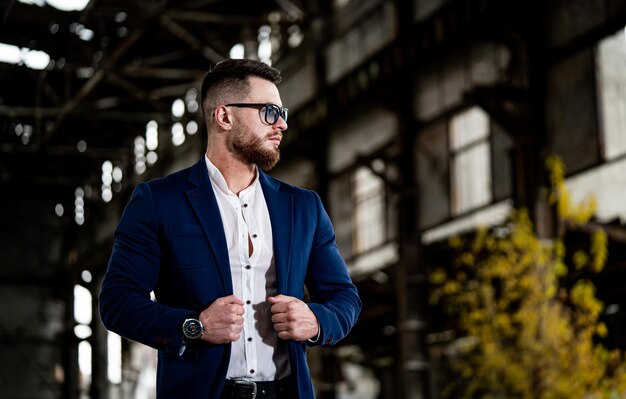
(528,335)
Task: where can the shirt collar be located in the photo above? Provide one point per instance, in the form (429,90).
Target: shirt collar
(218,179)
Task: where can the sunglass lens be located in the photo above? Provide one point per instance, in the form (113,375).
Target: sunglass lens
(271,114)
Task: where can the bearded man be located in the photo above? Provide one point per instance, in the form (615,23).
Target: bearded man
(227,251)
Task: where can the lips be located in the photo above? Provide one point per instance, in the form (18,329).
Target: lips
(276,139)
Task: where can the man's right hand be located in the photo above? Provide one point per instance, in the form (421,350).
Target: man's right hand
(222,320)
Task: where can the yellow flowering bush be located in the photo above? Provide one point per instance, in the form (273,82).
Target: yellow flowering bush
(530,335)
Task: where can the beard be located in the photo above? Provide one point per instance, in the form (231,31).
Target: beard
(249,148)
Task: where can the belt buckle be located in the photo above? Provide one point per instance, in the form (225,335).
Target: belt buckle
(246,383)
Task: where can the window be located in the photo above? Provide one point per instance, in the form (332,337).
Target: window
(369,210)
(471,160)
(82,330)
(611,64)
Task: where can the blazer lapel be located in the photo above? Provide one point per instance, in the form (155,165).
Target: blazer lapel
(204,204)
(280,207)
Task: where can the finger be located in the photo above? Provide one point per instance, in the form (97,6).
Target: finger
(280,299)
(229,320)
(234,336)
(231,299)
(280,303)
(278,308)
(236,309)
(279,318)
(286,335)
(281,327)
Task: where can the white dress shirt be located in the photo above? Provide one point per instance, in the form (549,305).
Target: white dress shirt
(258,354)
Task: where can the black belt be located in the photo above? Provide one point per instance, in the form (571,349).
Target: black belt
(242,389)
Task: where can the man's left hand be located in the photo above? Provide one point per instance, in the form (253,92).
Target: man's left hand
(292,318)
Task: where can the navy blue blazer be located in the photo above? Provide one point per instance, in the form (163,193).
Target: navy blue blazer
(170,240)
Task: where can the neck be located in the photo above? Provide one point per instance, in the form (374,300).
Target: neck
(238,174)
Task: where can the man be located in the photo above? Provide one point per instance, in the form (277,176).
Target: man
(227,251)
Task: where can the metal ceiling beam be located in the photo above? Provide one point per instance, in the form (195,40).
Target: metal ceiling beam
(293,11)
(100,74)
(163,73)
(200,3)
(164,58)
(91,84)
(172,91)
(218,19)
(28,112)
(136,92)
(104,103)
(133,116)
(64,151)
(187,37)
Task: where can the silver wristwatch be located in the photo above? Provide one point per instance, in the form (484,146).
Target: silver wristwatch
(192,329)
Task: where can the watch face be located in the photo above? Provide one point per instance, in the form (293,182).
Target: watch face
(192,329)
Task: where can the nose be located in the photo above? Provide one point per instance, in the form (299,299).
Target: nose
(281,124)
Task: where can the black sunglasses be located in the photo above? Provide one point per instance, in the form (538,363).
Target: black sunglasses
(272,111)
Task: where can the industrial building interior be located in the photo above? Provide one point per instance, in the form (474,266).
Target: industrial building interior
(415,121)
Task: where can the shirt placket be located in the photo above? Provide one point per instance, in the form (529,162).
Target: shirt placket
(248,271)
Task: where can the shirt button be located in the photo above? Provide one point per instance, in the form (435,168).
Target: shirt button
(248,267)
(254,235)
(249,339)
(252,371)
(245,205)
(248,302)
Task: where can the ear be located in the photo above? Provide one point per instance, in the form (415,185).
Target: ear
(223,117)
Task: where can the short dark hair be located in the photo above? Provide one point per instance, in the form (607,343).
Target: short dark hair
(231,76)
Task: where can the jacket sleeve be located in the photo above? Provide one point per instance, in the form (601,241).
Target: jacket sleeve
(132,273)
(334,298)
